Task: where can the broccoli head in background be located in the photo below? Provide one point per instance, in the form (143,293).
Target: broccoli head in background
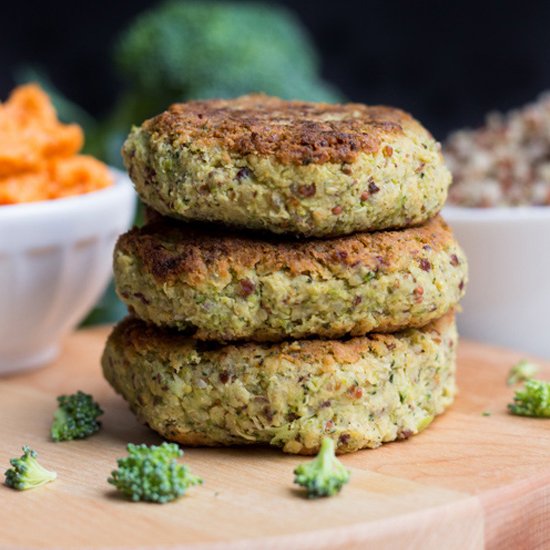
(27,473)
(325,475)
(153,473)
(202,49)
(76,417)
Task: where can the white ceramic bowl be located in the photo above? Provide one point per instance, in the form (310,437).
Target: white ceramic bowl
(507,301)
(55,262)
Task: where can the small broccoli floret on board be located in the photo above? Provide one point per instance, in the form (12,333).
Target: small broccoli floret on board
(532,400)
(325,475)
(153,474)
(522,371)
(27,473)
(76,417)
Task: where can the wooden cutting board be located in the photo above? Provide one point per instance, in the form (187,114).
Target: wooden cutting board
(468,481)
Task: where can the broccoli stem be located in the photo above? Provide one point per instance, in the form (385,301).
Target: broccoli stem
(326,458)
(37,475)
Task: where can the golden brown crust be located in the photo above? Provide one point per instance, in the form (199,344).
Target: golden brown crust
(169,249)
(142,336)
(293,132)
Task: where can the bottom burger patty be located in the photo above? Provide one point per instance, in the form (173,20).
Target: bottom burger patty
(361,392)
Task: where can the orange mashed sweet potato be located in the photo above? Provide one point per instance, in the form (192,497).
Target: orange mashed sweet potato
(38,154)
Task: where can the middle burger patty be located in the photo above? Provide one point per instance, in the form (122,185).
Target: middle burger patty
(228,286)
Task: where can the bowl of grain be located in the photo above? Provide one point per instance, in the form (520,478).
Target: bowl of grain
(499,209)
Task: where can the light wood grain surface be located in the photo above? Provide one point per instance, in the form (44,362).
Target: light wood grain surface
(469,481)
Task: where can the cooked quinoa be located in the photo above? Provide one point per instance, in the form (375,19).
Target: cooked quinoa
(504,163)
(287,166)
(225,286)
(361,392)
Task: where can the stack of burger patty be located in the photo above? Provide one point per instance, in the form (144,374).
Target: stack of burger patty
(294,280)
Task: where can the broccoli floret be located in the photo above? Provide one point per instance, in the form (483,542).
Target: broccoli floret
(153,473)
(522,371)
(532,400)
(76,417)
(200,49)
(325,475)
(27,473)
